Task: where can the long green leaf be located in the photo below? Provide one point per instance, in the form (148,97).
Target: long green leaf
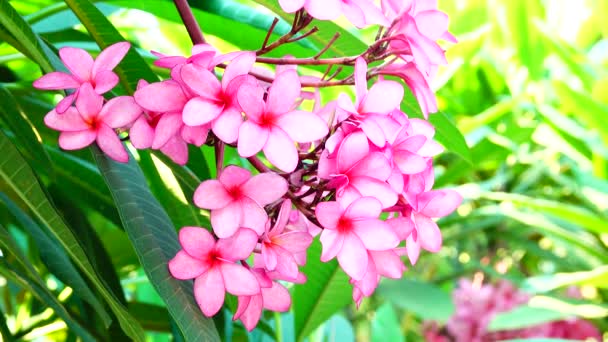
(32,282)
(325,292)
(25,133)
(31,44)
(22,180)
(155,241)
(4,330)
(523,317)
(545,283)
(132,68)
(56,260)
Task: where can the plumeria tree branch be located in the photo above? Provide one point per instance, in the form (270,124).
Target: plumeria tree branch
(194,30)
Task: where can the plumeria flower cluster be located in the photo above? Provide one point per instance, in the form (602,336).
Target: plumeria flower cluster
(477,304)
(356,174)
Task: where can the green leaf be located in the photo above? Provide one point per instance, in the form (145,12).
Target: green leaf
(524,316)
(573,307)
(385,325)
(325,292)
(25,133)
(545,283)
(22,180)
(33,283)
(152,317)
(4,330)
(155,241)
(56,260)
(425,300)
(446,131)
(133,67)
(29,43)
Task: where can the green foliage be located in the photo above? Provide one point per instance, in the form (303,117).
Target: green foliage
(522,116)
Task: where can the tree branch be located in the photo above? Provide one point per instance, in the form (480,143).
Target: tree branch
(196,35)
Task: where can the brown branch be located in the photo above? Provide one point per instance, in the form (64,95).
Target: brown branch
(327,46)
(196,35)
(270,30)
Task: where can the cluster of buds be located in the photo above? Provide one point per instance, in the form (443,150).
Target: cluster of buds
(359,175)
(477,305)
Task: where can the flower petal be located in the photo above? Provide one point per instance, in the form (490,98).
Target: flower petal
(429,235)
(78,61)
(353,257)
(105,81)
(201,81)
(109,58)
(88,102)
(368,186)
(280,150)
(328,214)
(211,194)
(200,111)
(110,144)
(324,9)
(294,241)
(332,243)
(383,97)
(56,80)
(376,234)
(254,216)
(303,126)
(388,264)
(234,176)
(364,208)
(283,92)
(69,121)
(251,316)
(241,65)
(141,133)
(227,220)
(291,6)
(265,188)
(166,128)
(76,140)
(226,125)
(177,150)
(276,298)
(251,99)
(209,291)
(354,148)
(161,97)
(196,241)
(120,111)
(239,280)
(252,139)
(438,203)
(239,246)
(184,267)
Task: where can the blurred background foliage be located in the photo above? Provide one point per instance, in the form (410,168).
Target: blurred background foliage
(527,86)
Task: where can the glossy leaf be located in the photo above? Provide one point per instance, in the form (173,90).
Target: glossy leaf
(155,241)
(422,299)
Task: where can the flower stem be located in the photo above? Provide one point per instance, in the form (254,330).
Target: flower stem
(196,35)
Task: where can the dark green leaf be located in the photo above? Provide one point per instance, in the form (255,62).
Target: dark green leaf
(152,317)
(22,180)
(155,241)
(56,260)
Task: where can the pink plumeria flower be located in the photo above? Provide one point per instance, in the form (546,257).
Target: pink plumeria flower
(273,125)
(84,70)
(350,232)
(279,247)
(202,55)
(215,103)
(359,12)
(357,172)
(381,99)
(169,98)
(237,200)
(273,296)
(143,132)
(417,82)
(426,233)
(212,265)
(91,121)
(381,263)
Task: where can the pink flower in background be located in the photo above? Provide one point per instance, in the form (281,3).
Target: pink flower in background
(280,246)
(212,265)
(273,125)
(350,232)
(84,70)
(215,103)
(91,121)
(273,296)
(237,200)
